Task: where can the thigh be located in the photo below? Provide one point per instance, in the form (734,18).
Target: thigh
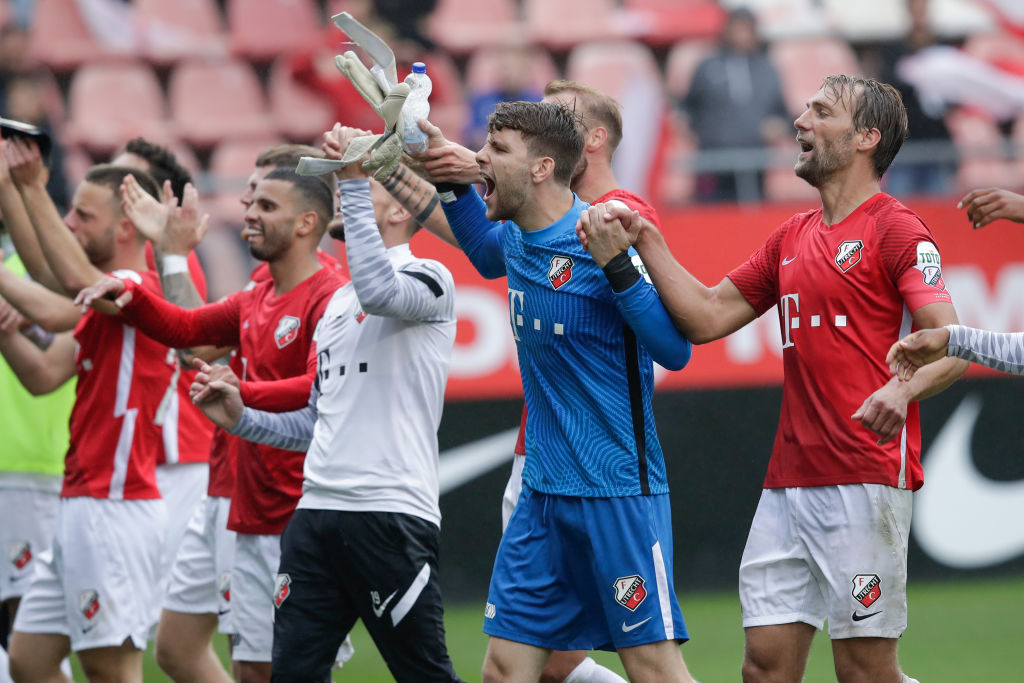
(778,582)
(192,587)
(391,577)
(182,486)
(313,612)
(30,516)
(253,596)
(629,540)
(861,549)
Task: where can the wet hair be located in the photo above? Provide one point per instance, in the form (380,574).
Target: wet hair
(594,106)
(163,165)
(312,193)
(548,129)
(111,176)
(873,105)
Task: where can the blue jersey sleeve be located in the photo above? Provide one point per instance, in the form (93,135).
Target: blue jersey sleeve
(479,238)
(646,315)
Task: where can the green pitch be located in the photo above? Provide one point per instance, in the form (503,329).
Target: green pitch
(963,631)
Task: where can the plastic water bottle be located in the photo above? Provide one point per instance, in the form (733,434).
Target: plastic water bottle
(416,107)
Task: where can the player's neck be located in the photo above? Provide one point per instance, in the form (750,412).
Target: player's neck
(125,259)
(841,196)
(597,181)
(550,202)
(291,269)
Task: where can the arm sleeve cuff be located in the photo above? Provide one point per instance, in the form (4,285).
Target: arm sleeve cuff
(621,272)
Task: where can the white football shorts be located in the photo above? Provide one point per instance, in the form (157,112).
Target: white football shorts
(512,489)
(183,486)
(835,552)
(98,584)
(200,580)
(29,507)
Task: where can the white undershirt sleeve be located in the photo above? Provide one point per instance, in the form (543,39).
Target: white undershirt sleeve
(1003,351)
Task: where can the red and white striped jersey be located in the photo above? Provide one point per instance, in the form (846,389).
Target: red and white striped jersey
(122,378)
(845,294)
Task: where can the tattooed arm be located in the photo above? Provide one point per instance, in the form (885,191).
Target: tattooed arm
(419,197)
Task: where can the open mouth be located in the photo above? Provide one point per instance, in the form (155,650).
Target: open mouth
(488,187)
(804,145)
(250,231)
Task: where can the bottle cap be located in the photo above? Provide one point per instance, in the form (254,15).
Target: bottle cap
(419,68)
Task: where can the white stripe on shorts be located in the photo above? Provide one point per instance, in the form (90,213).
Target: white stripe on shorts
(409,599)
(664,596)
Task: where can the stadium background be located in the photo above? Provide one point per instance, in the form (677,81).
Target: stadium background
(717,417)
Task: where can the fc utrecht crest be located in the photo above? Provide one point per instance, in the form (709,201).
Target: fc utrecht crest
(560,271)
(630,591)
(89,603)
(866,588)
(849,254)
(20,554)
(282,589)
(287,330)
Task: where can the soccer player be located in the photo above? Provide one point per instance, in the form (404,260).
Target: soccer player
(593,181)
(272,324)
(585,342)
(363,542)
(95,594)
(829,537)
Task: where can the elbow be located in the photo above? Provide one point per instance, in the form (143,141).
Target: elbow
(677,359)
(40,386)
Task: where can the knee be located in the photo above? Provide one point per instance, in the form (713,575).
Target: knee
(24,667)
(754,670)
(493,671)
(169,658)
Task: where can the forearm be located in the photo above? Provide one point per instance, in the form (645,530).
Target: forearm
(646,316)
(698,311)
(935,377)
(181,291)
(17,222)
(419,197)
(212,324)
(478,237)
(65,256)
(53,312)
(292,431)
(1003,351)
(39,371)
(279,396)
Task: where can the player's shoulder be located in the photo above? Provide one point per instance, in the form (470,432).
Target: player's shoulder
(894,220)
(632,201)
(435,271)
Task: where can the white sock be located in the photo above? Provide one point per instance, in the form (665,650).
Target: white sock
(590,671)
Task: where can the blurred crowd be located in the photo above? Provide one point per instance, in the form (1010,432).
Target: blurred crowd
(709,87)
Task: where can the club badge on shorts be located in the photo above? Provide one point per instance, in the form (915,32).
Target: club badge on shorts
(224,586)
(282,589)
(867,588)
(630,591)
(20,554)
(89,603)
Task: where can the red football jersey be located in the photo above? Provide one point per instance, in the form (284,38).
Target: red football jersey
(635,202)
(273,334)
(186,431)
(122,378)
(845,294)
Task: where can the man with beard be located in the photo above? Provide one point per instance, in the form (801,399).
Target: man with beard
(829,537)
(586,340)
(272,323)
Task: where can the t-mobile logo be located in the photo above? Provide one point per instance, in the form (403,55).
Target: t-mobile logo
(789,318)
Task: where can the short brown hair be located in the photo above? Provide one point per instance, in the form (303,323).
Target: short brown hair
(874,105)
(312,193)
(596,107)
(111,176)
(548,129)
(287,156)
(163,165)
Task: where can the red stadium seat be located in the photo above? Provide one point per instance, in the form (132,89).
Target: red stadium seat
(60,37)
(565,23)
(683,60)
(231,163)
(465,25)
(663,22)
(111,103)
(180,29)
(803,64)
(265,29)
(298,112)
(482,70)
(216,100)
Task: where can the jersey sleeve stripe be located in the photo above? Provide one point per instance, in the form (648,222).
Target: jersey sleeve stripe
(430,282)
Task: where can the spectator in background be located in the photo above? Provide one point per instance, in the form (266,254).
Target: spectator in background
(511,83)
(735,103)
(930,173)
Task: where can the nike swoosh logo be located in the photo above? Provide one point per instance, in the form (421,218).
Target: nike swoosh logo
(222,612)
(958,500)
(378,611)
(462,464)
(787,261)
(627,629)
(862,617)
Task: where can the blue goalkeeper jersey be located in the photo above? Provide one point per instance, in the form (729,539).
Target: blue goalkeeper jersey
(583,354)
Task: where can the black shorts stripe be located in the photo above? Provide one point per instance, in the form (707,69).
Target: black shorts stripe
(425,279)
(636,405)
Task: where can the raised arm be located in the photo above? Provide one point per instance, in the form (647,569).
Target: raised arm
(478,237)
(20,226)
(1002,351)
(49,310)
(40,371)
(701,313)
(419,291)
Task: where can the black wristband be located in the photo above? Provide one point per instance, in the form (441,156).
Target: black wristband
(449,192)
(621,272)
